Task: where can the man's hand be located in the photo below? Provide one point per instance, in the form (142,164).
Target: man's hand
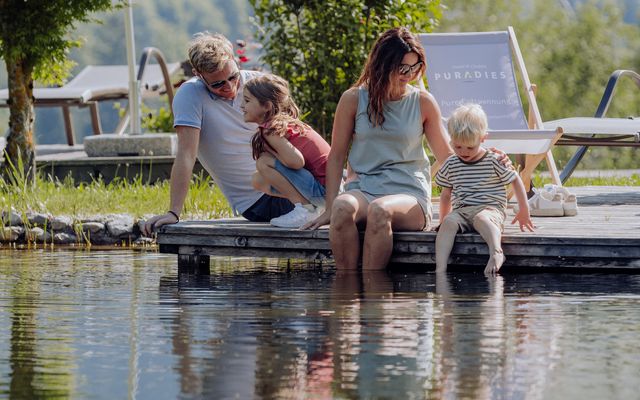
(154,223)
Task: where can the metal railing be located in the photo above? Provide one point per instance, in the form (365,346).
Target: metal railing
(147,53)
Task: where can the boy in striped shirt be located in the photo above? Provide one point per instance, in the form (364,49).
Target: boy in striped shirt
(474,181)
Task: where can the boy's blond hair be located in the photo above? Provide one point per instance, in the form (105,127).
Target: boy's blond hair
(209,52)
(468,124)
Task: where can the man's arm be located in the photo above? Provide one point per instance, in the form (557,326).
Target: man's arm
(188,139)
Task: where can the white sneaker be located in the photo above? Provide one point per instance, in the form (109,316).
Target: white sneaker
(569,200)
(295,218)
(544,204)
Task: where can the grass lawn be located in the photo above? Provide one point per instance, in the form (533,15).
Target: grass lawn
(204,201)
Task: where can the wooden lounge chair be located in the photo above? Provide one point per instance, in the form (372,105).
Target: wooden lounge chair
(97,83)
(478,68)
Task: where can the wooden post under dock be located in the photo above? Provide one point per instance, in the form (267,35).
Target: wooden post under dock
(605,234)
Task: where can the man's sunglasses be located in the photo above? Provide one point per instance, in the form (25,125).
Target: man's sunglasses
(404,69)
(219,84)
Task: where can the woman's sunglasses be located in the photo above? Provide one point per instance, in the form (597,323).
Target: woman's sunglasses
(404,69)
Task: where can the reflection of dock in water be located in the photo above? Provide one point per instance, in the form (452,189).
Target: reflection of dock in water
(604,234)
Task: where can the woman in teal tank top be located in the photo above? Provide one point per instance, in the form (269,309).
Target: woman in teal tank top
(380,123)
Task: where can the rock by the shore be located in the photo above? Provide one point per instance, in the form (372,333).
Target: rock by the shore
(62,223)
(116,229)
(11,233)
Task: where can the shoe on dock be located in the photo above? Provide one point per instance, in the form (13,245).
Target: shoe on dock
(544,204)
(569,200)
(295,218)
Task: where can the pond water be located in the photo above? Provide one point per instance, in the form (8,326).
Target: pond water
(122,324)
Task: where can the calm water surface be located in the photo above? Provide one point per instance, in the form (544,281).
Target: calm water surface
(122,324)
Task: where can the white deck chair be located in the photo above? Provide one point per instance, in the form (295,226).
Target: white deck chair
(598,130)
(97,83)
(477,68)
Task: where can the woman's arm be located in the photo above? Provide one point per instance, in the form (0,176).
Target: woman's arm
(434,130)
(284,151)
(343,125)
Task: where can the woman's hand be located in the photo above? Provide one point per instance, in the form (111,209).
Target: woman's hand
(503,158)
(322,219)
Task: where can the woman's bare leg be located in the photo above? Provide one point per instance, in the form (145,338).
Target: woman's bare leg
(395,212)
(347,210)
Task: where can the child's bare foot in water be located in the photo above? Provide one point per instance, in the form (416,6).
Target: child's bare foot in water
(495,263)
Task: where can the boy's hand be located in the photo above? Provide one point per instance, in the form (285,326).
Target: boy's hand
(524,220)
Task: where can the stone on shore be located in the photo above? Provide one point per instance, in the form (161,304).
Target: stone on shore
(11,233)
(12,218)
(62,223)
(39,219)
(38,235)
(120,226)
(64,238)
(93,227)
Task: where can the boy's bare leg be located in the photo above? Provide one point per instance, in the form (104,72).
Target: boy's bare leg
(444,242)
(491,233)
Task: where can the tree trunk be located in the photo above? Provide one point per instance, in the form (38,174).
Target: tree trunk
(20,150)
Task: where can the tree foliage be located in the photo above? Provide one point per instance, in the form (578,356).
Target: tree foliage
(34,43)
(320,46)
(165,24)
(569,53)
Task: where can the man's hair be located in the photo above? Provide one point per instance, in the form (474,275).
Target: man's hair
(209,52)
(467,124)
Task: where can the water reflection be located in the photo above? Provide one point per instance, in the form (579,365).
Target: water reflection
(80,325)
(312,333)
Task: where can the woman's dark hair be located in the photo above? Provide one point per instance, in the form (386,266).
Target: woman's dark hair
(273,91)
(385,58)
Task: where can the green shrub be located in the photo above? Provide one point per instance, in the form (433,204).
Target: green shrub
(152,120)
(320,46)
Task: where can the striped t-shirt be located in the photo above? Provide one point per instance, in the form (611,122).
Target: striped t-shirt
(480,182)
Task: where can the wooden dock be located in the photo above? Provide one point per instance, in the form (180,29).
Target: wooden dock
(605,234)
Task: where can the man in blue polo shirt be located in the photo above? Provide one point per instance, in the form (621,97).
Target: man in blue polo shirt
(210,126)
